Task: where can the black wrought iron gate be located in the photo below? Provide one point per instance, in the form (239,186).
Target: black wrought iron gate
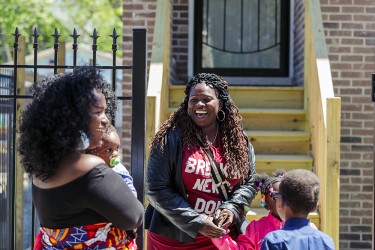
(10,99)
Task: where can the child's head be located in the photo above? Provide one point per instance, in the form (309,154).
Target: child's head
(267,185)
(299,190)
(110,146)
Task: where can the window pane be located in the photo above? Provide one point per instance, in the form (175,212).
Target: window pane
(233,36)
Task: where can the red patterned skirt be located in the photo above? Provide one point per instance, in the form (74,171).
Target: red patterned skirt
(94,236)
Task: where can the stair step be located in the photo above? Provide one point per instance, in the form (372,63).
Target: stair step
(279,142)
(270,119)
(269,163)
(273,119)
(252,96)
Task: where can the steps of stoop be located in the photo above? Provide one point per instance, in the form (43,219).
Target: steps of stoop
(252,96)
(269,119)
(273,119)
(269,163)
(279,142)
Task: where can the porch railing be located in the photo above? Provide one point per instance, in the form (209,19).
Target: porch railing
(324,110)
(157,90)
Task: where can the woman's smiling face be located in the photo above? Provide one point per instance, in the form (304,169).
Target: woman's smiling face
(203,105)
(99,120)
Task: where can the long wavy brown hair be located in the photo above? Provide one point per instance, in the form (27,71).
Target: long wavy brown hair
(233,140)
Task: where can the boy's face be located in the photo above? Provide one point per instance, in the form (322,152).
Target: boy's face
(281,207)
(110,147)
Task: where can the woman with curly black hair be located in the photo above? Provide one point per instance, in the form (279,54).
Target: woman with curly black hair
(71,189)
(199,170)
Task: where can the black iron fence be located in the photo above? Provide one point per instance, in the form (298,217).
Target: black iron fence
(18,220)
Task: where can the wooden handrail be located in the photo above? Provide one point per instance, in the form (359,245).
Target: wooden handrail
(323,110)
(158,82)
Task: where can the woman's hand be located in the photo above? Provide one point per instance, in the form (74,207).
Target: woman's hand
(210,230)
(223,218)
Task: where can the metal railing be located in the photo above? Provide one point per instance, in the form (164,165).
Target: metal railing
(13,95)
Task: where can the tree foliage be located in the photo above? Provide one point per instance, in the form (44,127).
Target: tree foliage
(64,15)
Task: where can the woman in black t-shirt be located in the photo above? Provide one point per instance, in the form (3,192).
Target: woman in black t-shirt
(72,190)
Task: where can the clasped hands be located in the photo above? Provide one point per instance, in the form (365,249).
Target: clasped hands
(215,227)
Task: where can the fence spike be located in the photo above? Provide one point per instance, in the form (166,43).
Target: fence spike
(56,36)
(75,46)
(16,32)
(114,36)
(95,36)
(35,35)
(75,35)
(16,36)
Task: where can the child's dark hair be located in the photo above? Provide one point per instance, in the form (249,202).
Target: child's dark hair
(300,189)
(265,182)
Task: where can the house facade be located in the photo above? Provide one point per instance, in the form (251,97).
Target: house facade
(264,45)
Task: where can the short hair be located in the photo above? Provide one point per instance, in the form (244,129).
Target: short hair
(300,188)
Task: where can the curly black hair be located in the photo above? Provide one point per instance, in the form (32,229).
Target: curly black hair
(264,182)
(300,188)
(50,125)
(268,183)
(233,140)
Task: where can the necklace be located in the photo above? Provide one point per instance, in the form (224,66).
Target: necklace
(212,142)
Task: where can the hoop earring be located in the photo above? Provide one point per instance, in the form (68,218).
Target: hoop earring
(84,141)
(222,114)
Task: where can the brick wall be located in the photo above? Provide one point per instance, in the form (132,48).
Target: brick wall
(180,38)
(135,13)
(350,30)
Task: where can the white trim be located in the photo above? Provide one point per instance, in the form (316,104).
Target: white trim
(246,80)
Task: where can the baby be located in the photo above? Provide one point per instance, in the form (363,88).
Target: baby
(109,152)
